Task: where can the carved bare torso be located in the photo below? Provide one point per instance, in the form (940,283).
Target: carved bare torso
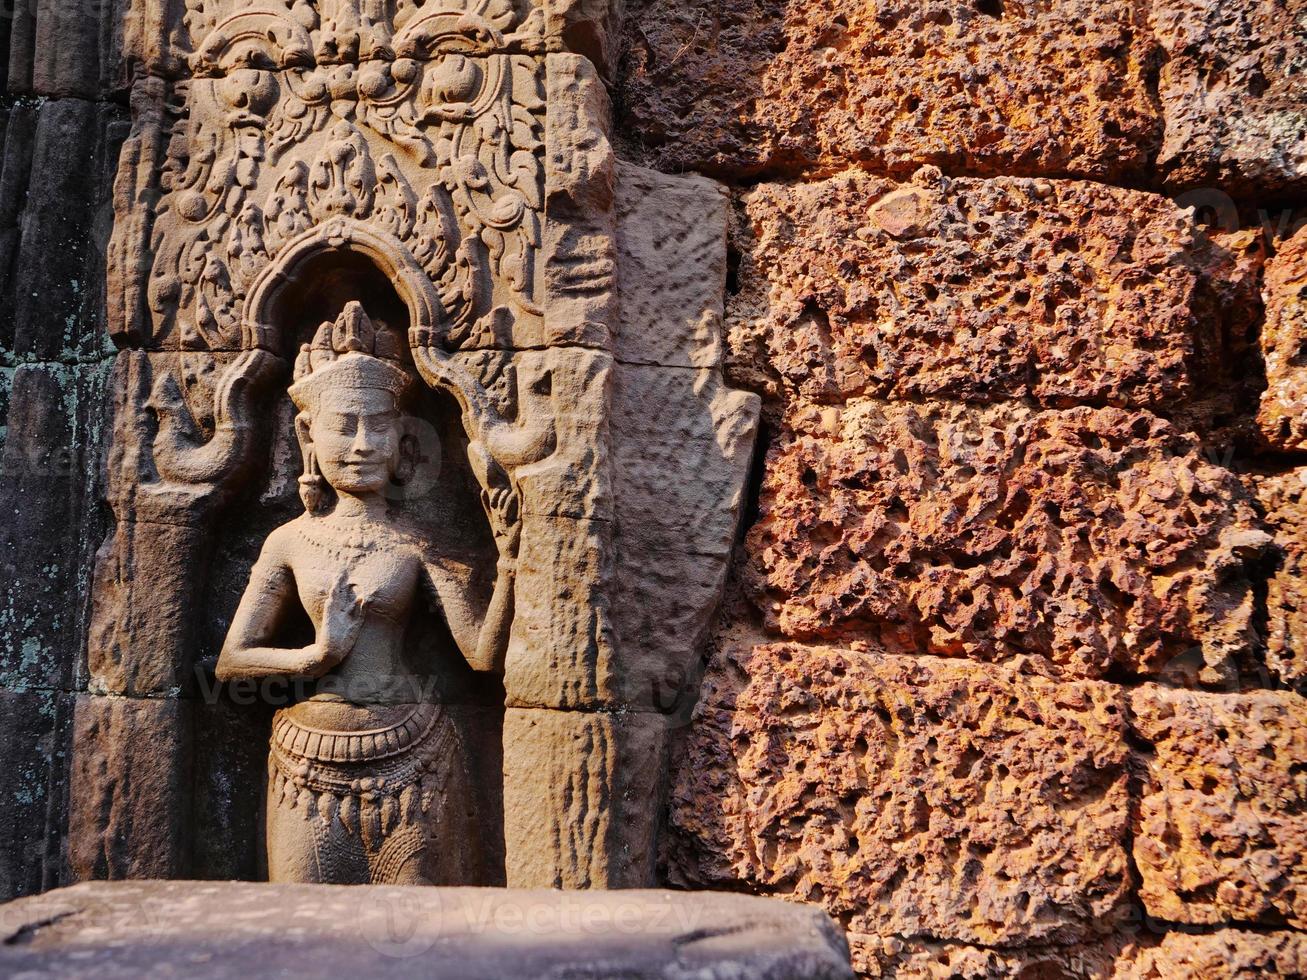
(377,568)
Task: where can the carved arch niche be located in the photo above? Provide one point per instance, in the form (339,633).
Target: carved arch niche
(449,161)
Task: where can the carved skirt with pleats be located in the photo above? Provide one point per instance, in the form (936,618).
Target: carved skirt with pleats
(385,805)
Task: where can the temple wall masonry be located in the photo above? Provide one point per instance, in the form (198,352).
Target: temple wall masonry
(922,530)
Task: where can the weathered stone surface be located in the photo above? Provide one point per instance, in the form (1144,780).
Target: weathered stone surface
(1226,954)
(586,27)
(1093,538)
(56,179)
(230,767)
(1283,498)
(143,625)
(1232,92)
(907,795)
(671,272)
(561,653)
(234,930)
(1068,292)
(48,485)
(575,479)
(584,792)
(32,764)
(68,49)
(129,789)
(580,171)
(915,959)
(754,86)
(1221,830)
(1283,415)
(677,509)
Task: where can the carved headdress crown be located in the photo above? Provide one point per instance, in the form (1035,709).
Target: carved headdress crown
(350,353)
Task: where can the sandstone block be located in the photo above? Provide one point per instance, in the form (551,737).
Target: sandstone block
(586,27)
(1283,415)
(1068,292)
(129,789)
(561,653)
(907,795)
(239,929)
(671,272)
(144,613)
(750,87)
(583,795)
(1232,95)
(580,172)
(1086,537)
(1221,834)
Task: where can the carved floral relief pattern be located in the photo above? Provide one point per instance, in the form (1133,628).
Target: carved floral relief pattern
(437,141)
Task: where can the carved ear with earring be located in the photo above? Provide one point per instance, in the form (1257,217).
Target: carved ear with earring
(313,488)
(404,465)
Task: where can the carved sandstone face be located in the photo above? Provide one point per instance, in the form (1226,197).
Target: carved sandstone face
(356,437)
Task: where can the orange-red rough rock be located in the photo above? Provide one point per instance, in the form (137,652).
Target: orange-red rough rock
(914,959)
(1226,954)
(1283,498)
(1094,538)
(907,795)
(1283,415)
(1233,89)
(747,86)
(1221,830)
(1065,291)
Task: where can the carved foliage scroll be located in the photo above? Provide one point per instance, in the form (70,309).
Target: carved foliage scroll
(435,138)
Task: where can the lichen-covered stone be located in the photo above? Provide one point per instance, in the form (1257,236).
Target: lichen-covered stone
(1221,830)
(1093,538)
(1068,292)
(907,795)
(1233,91)
(32,762)
(49,479)
(1283,498)
(760,86)
(55,182)
(1283,415)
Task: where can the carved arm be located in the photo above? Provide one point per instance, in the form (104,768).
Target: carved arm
(496,448)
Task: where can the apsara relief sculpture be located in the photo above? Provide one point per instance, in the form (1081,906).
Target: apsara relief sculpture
(418,410)
(361,775)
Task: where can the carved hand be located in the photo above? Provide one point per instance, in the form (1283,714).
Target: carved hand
(502,505)
(342,619)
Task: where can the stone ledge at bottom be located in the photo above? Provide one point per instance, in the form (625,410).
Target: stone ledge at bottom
(250,931)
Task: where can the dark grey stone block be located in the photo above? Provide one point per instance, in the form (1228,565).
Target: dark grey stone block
(250,931)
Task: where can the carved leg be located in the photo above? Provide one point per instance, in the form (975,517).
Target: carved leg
(306,849)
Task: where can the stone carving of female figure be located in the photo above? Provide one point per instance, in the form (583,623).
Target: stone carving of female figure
(364,777)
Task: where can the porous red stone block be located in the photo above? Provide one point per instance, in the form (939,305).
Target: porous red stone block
(1221,830)
(1233,94)
(1091,538)
(908,796)
(748,86)
(1067,292)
